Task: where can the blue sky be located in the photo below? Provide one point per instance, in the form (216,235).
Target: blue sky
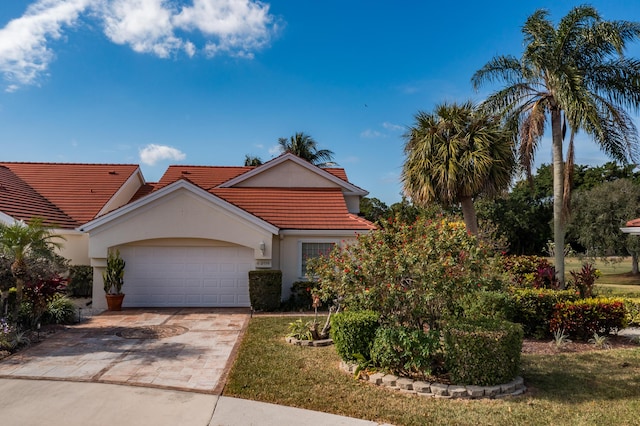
(159,82)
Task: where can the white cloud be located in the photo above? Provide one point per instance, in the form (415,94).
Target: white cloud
(275,150)
(153,153)
(391,126)
(159,27)
(24,53)
(369,134)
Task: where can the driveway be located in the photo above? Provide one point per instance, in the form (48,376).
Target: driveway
(188,349)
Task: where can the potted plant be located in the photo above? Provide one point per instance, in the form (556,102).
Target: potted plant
(113,278)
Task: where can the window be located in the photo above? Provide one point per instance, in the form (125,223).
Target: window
(311,251)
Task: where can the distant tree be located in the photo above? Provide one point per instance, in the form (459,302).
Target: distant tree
(455,154)
(600,212)
(305,147)
(574,74)
(250,160)
(373,209)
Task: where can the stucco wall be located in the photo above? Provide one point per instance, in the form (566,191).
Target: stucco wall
(75,246)
(288,175)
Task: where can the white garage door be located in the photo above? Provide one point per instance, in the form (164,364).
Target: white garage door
(186,276)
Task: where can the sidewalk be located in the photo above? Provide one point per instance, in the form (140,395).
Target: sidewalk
(61,403)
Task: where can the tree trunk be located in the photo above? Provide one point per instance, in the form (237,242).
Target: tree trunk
(469,215)
(558,192)
(634,263)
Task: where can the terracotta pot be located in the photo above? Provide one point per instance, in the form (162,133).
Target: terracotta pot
(114,301)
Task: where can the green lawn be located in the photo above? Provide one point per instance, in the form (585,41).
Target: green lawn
(601,387)
(616,279)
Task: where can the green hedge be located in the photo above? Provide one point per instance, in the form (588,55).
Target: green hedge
(405,351)
(300,297)
(265,289)
(80,281)
(533,309)
(582,318)
(488,304)
(353,333)
(484,352)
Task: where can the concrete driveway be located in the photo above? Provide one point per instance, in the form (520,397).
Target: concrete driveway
(188,349)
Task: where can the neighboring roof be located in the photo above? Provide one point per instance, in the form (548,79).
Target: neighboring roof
(79,191)
(634,222)
(296,208)
(22,202)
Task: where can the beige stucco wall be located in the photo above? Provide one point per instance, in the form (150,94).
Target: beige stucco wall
(288,175)
(75,246)
(124,194)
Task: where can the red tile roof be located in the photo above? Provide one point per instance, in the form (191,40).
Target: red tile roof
(80,191)
(296,208)
(634,222)
(206,177)
(20,201)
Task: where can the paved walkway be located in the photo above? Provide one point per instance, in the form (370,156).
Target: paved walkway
(196,358)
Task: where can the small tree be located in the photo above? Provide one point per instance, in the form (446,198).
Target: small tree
(412,274)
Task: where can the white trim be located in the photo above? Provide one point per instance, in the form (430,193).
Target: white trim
(348,188)
(633,230)
(136,174)
(175,186)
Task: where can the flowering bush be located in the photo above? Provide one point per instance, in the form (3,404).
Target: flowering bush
(38,295)
(530,272)
(583,318)
(412,274)
(533,309)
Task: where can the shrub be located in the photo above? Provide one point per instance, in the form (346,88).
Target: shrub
(301,294)
(582,319)
(353,333)
(38,295)
(405,351)
(533,309)
(484,352)
(633,311)
(584,280)
(528,271)
(413,274)
(265,289)
(488,304)
(60,310)
(81,281)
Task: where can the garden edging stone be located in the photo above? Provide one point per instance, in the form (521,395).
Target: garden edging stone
(513,388)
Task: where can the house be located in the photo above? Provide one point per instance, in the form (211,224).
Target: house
(190,238)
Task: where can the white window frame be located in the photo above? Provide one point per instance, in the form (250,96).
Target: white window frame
(302,274)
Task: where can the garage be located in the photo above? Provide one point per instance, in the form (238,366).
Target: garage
(184,276)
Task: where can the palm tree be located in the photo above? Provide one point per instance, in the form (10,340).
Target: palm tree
(455,154)
(305,147)
(250,160)
(20,240)
(574,74)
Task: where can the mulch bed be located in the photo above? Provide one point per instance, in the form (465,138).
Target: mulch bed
(549,347)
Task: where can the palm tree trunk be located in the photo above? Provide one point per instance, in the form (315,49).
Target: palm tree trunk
(469,215)
(558,194)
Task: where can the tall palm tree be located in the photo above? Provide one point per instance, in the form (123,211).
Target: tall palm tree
(250,160)
(305,147)
(455,154)
(576,75)
(19,240)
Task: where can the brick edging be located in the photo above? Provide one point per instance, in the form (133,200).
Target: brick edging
(515,387)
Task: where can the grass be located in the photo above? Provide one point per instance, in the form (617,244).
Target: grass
(616,279)
(571,389)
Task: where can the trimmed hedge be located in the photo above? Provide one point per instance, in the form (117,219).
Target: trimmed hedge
(582,318)
(484,352)
(488,304)
(353,333)
(265,289)
(533,309)
(406,351)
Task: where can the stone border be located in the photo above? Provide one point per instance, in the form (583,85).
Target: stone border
(314,343)
(515,387)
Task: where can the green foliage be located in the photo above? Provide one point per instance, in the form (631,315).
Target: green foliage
(413,274)
(484,352)
(407,351)
(373,209)
(80,281)
(300,330)
(582,318)
(113,275)
(301,294)
(530,272)
(265,289)
(353,332)
(533,309)
(633,312)
(560,339)
(488,304)
(601,342)
(60,310)
(305,147)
